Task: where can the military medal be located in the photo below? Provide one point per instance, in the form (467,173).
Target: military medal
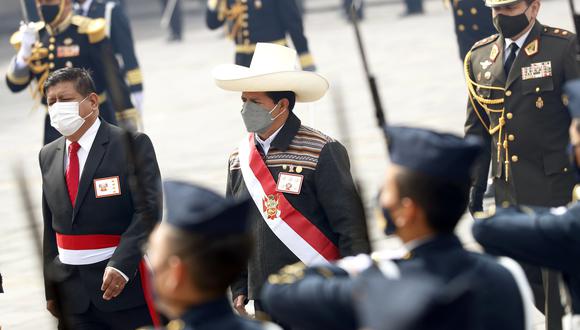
(289,183)
(67,41)
(539,103)
(537,70)
(488,75)
(270,206)
(107,187)
(494,53)
(68,51)
(485,64)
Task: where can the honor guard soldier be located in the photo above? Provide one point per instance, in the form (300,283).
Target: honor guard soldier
(307,207)
(472,23)
(515,81)
(62,40)
(251,21)
(547,239)
(201,248)
(119,33)
(423,197)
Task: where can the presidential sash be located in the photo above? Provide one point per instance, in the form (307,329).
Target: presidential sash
(299,235)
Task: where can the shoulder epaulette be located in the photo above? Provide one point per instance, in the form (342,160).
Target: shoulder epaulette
(95,28)
(485,41)
(557,32)
(16,38)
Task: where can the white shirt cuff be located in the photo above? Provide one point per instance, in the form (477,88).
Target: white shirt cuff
(120,272)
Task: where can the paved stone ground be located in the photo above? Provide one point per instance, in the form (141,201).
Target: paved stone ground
(194,125)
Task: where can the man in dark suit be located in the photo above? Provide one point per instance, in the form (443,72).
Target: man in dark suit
(94,220)
(251,21)
(118,30)
(424,196)
(516,105)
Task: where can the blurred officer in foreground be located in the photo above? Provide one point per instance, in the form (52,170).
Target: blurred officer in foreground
(473,22)
(173,7)
(62,40)
(544,238)
(413,7)
(201,248)
(251,21)
(424,196)
(118,30)
(515,81)
(306,205)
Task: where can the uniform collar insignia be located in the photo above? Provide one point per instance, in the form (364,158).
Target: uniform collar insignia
(494,52)
(532,48)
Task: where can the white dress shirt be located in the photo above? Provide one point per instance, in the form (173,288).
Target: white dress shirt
(86,142)
(519,42)
(265,144)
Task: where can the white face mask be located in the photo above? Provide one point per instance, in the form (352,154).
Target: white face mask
(65,118)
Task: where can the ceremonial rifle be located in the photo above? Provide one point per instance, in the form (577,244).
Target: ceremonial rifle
(25,16)
(379,112)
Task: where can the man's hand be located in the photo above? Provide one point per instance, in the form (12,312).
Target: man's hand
(240,305)
(113,283)
(51,307)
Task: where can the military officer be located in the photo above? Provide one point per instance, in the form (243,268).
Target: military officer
(199,250)
(413,7)
(515,81)
(61,40)
(307,207)
(472,23)
(421,200)
(251,21)
(119,32)
(548,239)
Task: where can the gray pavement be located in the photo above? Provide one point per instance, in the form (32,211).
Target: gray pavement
(194,125)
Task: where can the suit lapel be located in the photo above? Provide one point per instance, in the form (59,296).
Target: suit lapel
(57,173)
(94,159)
(523,59)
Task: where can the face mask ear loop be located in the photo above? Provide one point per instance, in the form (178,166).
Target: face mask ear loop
(87,116)
(278,115)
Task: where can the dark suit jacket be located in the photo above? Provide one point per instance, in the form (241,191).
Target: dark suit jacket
(546,240)
(536,119)
(325,298)
(123,215)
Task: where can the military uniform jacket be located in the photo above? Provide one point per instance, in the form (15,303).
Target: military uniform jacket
(122,214)
(253,21)
(472,23)
(523,116)
(216,315)
(77,42)
(327,299)
(328,198)
(119,32)
(544,239)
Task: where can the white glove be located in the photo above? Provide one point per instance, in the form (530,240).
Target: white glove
(212,4)
(29,37)
(137,99)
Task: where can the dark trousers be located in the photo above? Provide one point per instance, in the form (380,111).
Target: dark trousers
(95,319)
(244,59)
(544,284)
(175,23)
(414,6)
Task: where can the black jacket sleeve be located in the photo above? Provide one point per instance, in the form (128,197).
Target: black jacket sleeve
(212,16)
(147,205)
(292,21)
(49,249)
(122,40)
(340,200)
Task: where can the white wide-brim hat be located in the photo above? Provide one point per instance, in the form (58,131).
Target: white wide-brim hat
(273,69)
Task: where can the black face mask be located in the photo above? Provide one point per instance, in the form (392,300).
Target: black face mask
(49,13)
(510,26)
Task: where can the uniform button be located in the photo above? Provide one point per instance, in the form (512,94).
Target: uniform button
(475,27)
(246,41)
(51,65)
(51,40)
(245,24)
(461,27)
(565,169)
(564,33)
(505,204)
(538,89)
(51,56)
(510,115)
(511,137)
(508,93)
(459,12)
(515,158)
(246,33)
(245,16)
(473,11)
(557,31)
(50,47)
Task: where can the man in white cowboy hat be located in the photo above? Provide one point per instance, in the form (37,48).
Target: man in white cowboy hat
(307,207)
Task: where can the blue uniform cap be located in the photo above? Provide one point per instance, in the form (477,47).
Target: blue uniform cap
(198,210)
(440,155)
(572,90)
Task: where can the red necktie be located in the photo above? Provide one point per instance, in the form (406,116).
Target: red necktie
(72,172)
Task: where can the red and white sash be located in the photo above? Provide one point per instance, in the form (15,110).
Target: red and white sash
(90,249)
(302,237)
